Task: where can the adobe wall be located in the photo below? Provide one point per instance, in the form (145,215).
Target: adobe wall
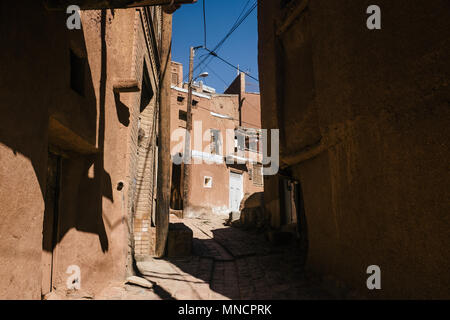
(250,102)
(214,200)
(372,109)
(37,86)
(94,131)
(176,77)
(142,148)
(251,110)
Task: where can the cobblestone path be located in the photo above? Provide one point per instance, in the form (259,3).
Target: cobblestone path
(227,263)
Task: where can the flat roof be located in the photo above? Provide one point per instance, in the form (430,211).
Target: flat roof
(201,95)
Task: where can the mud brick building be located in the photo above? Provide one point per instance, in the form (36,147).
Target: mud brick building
(216,187)
(364,119)
(81,144)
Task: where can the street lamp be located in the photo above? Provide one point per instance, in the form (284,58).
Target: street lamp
(202,75)
(187,140)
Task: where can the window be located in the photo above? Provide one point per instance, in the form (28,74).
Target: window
(252,143)
(182,115)
(180,99)
(215,141)
(239,142)
(77,67)
(175,78)
(245,140)
(194,103)
(207,182)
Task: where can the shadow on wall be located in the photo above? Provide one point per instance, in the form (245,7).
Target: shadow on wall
(123,112)
(253,200)
(38,87)
(252,211)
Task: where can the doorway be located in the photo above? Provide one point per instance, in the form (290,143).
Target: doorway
(293,217)
(236,191)
(176,197)
(51,221)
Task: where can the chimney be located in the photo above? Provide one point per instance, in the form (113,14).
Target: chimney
(242,84)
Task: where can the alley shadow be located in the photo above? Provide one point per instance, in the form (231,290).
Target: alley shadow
(234,264)
(123,112)
(50,93)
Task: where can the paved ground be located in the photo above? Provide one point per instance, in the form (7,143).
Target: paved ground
(228,263)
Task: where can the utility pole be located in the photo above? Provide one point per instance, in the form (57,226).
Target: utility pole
(187,140)
(163,170)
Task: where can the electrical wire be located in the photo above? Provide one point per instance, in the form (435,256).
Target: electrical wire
(233,28)
(204,21)
(231,65)
(217,75)
(240,15)
(241,18)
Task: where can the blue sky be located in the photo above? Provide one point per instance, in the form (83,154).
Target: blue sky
(241,48)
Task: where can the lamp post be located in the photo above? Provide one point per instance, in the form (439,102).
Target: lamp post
(187,140)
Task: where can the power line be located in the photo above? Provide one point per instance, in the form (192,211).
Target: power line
(241,18)
(213,53)
(242,11)
(233,28)
(220,78)
(230,117)
(204,21)
(231,65)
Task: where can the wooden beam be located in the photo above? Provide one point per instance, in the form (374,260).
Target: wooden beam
(126,85)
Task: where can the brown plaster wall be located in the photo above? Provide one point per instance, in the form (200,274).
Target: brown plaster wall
(176,77)
(251,110)
(375,105)
(250,103)
(215,200)
(96,134)
(142,149)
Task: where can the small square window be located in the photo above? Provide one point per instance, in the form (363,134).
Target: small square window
(194,103)
(207,182)
(180,98)
(182,115)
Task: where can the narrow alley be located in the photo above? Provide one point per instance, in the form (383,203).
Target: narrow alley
(227,263)
(224,150)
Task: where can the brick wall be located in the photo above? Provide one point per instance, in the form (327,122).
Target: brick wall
(142,140)
(176,74)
